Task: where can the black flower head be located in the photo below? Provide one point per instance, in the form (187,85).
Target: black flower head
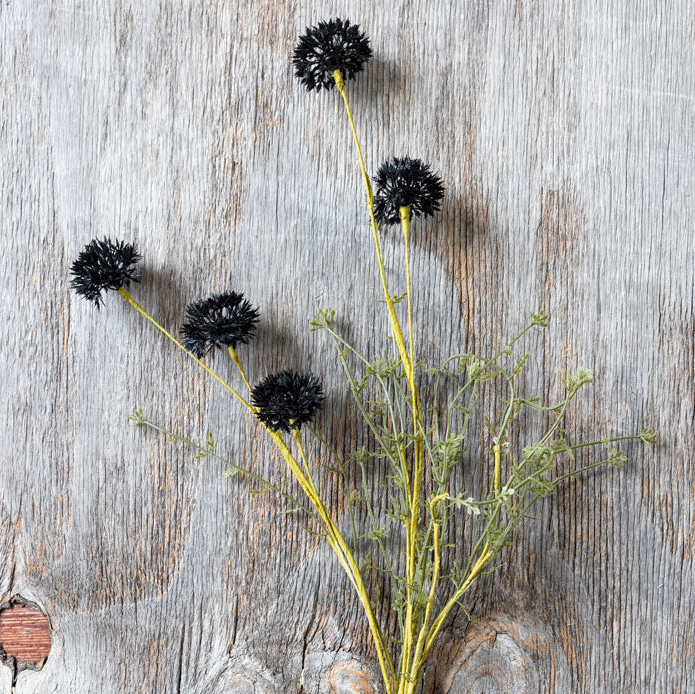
(104,265)
(287,399)
(330,46)
(223,320)
(404,182)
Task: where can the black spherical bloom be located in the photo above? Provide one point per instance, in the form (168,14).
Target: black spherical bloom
(287,400)
(403,182)
(223,320)
(330,46)
(104,265)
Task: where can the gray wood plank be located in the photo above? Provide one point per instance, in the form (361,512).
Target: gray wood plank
(565,133)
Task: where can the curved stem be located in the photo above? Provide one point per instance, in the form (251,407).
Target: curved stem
(395,325)
(418,662)
(237,362)
(334,536)
(297,434)
(345,557)
(479,565)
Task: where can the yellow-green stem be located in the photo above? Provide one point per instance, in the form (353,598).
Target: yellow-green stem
(497,478)
(237,362)
(418,657)
(298,438)
(404,214)
(418,454)
(342,551)
(334,537)
(479,565)
(395,325)
(415,483)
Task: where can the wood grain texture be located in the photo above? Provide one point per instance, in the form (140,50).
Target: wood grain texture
(565,132)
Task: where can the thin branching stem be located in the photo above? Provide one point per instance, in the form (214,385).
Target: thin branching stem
(233,467)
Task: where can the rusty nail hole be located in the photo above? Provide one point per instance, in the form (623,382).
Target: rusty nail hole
(25,635)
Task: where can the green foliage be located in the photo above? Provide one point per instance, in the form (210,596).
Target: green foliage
(379,390)
(210,450)
(136,417)
(576,380)
(322,319)
(648,436)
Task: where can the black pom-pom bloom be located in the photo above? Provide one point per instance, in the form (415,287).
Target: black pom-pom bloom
(287,400)
(403,182)
(104,265)
(223,320)
(330,46)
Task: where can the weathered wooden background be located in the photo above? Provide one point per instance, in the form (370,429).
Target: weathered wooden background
(565,132)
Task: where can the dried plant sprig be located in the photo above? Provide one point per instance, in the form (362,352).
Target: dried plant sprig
(415,589)
(327,47)
(220,321)
(406,182)
(414,475)
(104,265)
(287,400)
(428,575)
(137,418)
